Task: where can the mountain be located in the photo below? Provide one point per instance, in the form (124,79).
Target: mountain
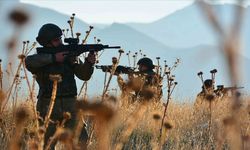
(38,16)
(189,39)
(188,27)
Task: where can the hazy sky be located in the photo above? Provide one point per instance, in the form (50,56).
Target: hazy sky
(107,12)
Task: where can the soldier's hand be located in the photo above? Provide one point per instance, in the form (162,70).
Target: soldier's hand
(60,57)
(91,58)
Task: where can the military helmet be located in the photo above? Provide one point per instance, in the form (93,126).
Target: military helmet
(47,33)
(147,62)
(208,83)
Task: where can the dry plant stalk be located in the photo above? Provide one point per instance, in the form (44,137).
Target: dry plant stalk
(230,43)
(102,114)
(17,74)
(33,103)
(55,78)
(114,66)
(21,116)
(71,24)
(87,34)
(131,123)
(170,88)
(85,82)
(78,127)
(61,134)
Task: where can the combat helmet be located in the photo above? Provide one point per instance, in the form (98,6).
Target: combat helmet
(47,33)
(208,83)
(147,62)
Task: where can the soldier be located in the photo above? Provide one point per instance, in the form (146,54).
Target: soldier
(207,89)
(42,65)
(144,78)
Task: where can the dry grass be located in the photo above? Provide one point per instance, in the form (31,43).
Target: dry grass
(114,123)
(137,126)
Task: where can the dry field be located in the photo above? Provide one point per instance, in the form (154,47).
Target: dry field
(112,123)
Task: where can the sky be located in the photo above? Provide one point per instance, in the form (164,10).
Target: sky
(110,11)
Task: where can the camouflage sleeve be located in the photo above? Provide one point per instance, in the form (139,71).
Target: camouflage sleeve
(84,70)
(35,62)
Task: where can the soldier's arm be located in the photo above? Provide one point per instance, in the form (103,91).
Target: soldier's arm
(35,62)
(84,70)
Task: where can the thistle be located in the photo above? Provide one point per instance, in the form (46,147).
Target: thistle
(115,62)
(87,35)
(19,17)
(171,84)
(56,79)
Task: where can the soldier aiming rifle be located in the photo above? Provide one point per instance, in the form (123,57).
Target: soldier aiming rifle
(139,80)
(56,58)
(208,89)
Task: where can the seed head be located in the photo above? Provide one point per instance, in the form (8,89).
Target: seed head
(121,51)
(167,125)
(78,34)
(55,77)
(156,117)
(200,73)
(66,115)
(19,17)
(22,56)
(213,71)
(22,115)
(91,27)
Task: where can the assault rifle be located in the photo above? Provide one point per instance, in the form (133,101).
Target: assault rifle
(73,48)
(232,88)
(119,69)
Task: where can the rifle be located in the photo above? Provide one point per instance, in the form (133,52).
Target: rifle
(74,49)
(119,69)
(232,88)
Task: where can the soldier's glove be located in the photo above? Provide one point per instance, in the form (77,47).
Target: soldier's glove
(91,58)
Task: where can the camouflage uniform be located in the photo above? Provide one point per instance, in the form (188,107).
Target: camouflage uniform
(150,80)
(140,81)
(42,65)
